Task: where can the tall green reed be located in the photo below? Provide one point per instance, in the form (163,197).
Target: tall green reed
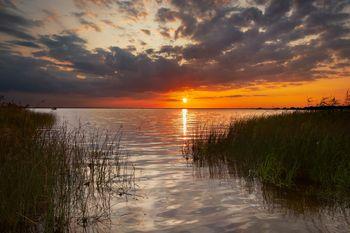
(287,150)
(55,179)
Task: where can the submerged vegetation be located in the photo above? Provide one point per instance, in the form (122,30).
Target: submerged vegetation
(293,150)
(53,179)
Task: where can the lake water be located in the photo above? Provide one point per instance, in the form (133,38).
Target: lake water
(172,196)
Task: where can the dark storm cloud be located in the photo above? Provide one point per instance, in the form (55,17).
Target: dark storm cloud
(227,45)
(13,24)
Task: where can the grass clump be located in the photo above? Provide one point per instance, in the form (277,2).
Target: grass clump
(291,149)
(53,179)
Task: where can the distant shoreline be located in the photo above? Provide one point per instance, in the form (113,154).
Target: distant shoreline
(259,108)
(149,108)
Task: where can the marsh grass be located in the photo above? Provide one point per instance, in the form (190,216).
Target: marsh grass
(289,150)
(55,179)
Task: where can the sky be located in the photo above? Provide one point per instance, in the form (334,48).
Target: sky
(143,53)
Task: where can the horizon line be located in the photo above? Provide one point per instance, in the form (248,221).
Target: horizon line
(70,107)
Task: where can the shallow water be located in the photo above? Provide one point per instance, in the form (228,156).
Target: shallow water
(172,196)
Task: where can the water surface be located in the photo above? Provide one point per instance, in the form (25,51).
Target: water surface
(172,196)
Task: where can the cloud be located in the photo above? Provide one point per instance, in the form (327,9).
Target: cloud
(84,3)
(15,25)
(246,43)
(116,71)
(165,32)
(146,31)
(8,4)
(29,44)
(214,44)
(135,9)
(89,24)
(31,77)
(111,24)
(52,15)
(132,8)
(227,96)
(166,15)
(277,9)
(86,23)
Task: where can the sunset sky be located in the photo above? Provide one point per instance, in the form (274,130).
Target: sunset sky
(143,53)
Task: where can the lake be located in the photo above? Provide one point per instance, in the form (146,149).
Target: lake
(173,196)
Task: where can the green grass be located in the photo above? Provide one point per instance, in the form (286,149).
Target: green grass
(53,179)
(292,149)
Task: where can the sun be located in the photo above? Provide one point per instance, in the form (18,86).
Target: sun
(184,100)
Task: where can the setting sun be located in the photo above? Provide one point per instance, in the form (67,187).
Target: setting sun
(184,100)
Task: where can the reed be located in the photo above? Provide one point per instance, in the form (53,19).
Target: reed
(55,179)
(292,149)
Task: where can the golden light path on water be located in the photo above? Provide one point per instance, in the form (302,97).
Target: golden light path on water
(184,122)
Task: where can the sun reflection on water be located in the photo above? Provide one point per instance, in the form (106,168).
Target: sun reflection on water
(184,122)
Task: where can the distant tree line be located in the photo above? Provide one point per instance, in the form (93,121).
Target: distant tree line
(329,103)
